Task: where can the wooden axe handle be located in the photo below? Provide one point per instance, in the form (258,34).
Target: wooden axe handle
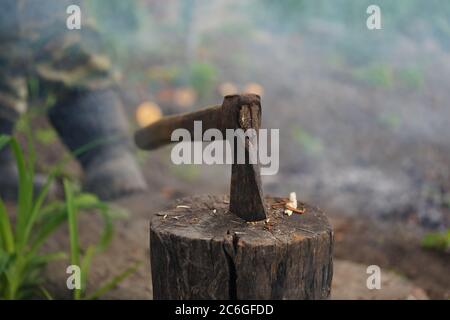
(160,132)
(236,112)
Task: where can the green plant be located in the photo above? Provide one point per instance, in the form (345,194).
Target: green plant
(83,260)
(36,219)
(310,144)
(20,259)
(437,241)
(46,136)
(202,77)
(380,75)
(412,78)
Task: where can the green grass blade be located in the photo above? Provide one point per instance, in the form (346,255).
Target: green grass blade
(107,233)
(4,140)
(86,265)
(48,257)
(6,232)
(73,231)
(89,202)
(54,214)
(73,228)
(25,191)
(36,208)
(46,294)
(11,277)
(30,143)
(46,227)
(4,262)
(83,149)
(111,284)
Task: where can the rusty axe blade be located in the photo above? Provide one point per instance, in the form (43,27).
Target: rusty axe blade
(236,112)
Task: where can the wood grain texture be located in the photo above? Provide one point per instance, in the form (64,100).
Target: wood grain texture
(206,252)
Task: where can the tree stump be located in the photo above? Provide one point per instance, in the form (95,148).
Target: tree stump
(199,250)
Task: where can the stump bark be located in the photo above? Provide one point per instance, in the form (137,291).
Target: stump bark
(199,250)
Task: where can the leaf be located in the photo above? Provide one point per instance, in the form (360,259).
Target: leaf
(54,214)
(46,294)
(6,232)
(117,212)
(48,257)
(86,200)
(4,261)
(46,136)
(10,276)
(47,226)
(73,231)
(437,241)
(86,265)
(25,190)
(36,208)
(4,140)
(107,233)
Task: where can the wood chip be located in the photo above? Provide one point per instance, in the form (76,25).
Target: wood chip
(295,209)
(183,207)
(288,212)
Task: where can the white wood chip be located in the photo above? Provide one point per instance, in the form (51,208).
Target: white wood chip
(291,203)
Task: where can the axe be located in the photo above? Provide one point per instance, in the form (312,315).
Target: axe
(236,112)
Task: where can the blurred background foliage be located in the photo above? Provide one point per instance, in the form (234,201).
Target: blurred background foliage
(147,32)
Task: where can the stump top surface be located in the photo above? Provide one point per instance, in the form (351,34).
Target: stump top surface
(206,217)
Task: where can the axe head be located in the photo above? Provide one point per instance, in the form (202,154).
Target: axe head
(246,195)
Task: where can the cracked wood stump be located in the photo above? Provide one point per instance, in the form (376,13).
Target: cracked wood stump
(201,251)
